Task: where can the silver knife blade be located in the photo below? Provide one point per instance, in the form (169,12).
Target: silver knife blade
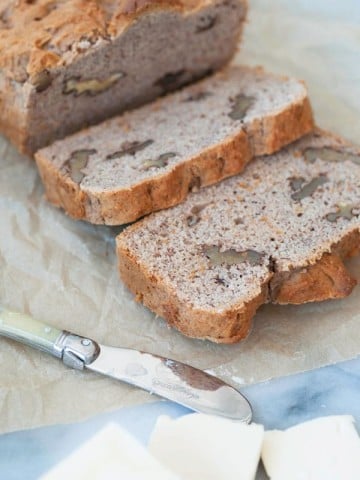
(176,381)
(167,378)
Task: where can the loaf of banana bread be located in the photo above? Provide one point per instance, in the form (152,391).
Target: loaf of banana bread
(65,64)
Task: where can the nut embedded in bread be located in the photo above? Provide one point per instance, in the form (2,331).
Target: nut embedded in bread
(150,158)
(67,64)
(277,233)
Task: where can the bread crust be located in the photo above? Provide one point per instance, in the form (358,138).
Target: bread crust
(322,279)
(26,29)
(114,207)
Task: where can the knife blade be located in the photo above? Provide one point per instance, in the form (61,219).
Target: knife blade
(170,379)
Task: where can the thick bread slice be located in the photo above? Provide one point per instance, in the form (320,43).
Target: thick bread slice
(65,64)
(276,233)
(150,158)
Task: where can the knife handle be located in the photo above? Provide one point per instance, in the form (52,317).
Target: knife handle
(74,350)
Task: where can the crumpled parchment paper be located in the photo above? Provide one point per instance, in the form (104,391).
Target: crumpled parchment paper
(64,272)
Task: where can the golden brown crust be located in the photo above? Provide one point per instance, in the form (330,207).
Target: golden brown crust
(128,10)
(48,33)
(323,279)
(292,123)
(36,34)
(14,130)
(327,278)
(61,192)
(212,165)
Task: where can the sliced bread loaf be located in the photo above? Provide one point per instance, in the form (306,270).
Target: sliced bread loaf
(65,64)
(277,233)
(150,158)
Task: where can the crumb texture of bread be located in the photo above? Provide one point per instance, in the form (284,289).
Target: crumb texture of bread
(277,233)
(65,64)
(149,159)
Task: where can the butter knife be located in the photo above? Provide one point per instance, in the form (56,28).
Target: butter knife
(170,379)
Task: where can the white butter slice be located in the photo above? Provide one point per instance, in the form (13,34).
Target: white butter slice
(112,454)
(326,448)
(203,447)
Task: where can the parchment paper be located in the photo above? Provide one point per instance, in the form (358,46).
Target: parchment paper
(64,272)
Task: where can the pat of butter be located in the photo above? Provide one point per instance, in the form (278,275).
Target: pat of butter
(326,448)
(110,455)
(198,446)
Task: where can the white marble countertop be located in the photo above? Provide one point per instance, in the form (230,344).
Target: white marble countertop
(277,404)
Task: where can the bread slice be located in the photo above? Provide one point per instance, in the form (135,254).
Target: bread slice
(277,233)
(65,64)
(150,158)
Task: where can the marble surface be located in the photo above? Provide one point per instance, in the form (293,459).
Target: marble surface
(278,404)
